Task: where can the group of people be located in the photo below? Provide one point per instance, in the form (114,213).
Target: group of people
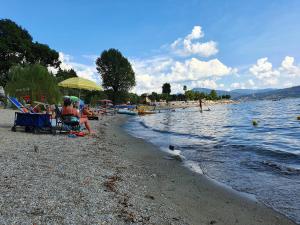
(72,108)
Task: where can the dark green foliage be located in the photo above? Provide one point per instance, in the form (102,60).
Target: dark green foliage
(35,81)
(116,72)
(213,95)
(184,87)
(65,74)
(91,97)
(166,88)
(134,98)
(16,47)
(154,97)
(194,95)
(225,97)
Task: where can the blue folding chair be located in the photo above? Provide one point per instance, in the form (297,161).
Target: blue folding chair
(16,103)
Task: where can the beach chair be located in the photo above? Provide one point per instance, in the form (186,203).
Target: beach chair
(19,106)
(66,122)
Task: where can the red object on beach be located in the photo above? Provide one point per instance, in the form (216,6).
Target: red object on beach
(78,133)
(26,98)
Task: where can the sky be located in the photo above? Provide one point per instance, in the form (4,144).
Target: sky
(225,45)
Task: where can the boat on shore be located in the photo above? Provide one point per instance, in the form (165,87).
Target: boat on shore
(142,112)
(127,112)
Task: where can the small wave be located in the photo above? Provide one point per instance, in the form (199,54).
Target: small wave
(269,152)
(288,170)
(144,125)
(176,133)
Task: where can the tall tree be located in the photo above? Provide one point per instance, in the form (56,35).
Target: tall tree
(166,88)
(116,72)
(17,47)
(35,81)
(184,88)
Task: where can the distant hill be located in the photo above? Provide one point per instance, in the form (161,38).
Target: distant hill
(292,92)
(237,93)
(207,91)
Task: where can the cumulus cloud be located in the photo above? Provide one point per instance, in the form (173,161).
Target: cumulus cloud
(151,74)
(190,46)
(288,67)
(82,70)
(196,33)
(263,70)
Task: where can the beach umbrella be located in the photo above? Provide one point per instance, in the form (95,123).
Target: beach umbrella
(80,83)
(74,98)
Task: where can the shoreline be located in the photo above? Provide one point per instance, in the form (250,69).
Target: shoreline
(113,178)
(239,200)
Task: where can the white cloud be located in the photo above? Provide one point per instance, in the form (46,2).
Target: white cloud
(276,77)
(188,46)
(243,85)
(152,73)
(263,70)
(250,83)
(288,67)
(86,71)
(196,33)
(237,85)
(204,83)
(195,69)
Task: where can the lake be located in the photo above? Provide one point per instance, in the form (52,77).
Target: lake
(223,144)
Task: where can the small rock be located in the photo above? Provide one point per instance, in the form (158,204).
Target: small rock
(171,147)
(150,197)
(36,148)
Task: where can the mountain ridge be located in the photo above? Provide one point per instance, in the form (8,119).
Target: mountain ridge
(236,93)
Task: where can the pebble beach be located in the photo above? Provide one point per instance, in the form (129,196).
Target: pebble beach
(110,178)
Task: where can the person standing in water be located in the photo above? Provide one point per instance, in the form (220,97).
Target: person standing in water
(200,104)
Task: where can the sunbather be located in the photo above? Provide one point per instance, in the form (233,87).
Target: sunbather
(69,110)
(87,111)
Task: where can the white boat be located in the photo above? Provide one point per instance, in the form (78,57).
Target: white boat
(127,112)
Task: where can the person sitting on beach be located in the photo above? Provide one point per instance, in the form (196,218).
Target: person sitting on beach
(86,111)
(68,109)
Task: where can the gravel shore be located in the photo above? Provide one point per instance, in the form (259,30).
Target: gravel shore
(110,178)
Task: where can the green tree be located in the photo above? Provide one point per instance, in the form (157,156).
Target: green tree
(190,95)
(166,88)
(92,97)
(213,95)
(116,72)
(184,88)
(16,47)
(225,96)
(154,97)
(65,74)
(134,98)
(35,81)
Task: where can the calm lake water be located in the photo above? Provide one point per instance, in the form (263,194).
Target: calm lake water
(224,145)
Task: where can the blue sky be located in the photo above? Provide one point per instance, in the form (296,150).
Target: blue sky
(220,44)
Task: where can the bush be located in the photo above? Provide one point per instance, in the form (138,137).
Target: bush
(35,81)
